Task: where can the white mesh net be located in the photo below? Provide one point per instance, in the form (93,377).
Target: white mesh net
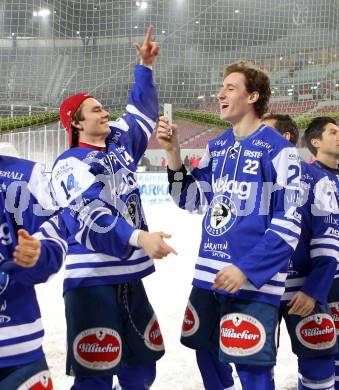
(53,48)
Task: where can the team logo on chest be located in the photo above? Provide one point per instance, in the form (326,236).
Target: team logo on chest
(40,381)
(153,335)
(241,335)
(317,331)
(191,321)
(220,216)
(97,348)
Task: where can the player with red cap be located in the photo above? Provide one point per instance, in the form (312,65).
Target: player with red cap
(68,109)
(111,326)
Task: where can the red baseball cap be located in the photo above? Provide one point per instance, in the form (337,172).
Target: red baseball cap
(68,109)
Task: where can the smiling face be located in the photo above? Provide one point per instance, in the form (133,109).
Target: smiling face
(94,121)
(235,102)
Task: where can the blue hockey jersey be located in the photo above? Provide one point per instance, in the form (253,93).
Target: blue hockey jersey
(314,262)
(99,195)
(248,190)
(26,203)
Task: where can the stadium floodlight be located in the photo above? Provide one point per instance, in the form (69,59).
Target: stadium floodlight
(143,5)
(44,12)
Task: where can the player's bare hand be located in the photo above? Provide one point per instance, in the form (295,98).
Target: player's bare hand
(28,250)
(167,135)
(301,304)
(149,49)
(154,244)
(230,279)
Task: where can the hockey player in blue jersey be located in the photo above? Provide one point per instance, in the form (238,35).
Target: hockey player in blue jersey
(247,185)
(26,203)
(322,139)
(310,274)
(111,326)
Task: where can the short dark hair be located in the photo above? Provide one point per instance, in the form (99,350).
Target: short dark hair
(284,123)
(255,80)
(315,129)
(75,131)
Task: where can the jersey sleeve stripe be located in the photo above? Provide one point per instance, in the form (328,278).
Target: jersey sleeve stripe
(288,225)
(290,240)
(133,110)
(325,241)
(324,252)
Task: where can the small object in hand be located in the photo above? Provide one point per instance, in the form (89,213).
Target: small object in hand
(168,115)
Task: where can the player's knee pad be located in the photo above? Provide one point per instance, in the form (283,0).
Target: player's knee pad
(216,375)
(255,377)
(93,382)
(137,377)
(316,373)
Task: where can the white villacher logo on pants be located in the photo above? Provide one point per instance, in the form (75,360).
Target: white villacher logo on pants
(191,321)
(241,335)
(153,336)
(317,331)
(98,348)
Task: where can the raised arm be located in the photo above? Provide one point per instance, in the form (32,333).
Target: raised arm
(149,49)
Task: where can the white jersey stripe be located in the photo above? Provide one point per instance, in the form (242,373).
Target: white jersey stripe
(325,241)
(145,129)
(19,348)
(289,225)
(294,282)
(101,257)
(266,288)
(218,265)
(324,252)
(107,271)
(133,110)
(290,240)
(10,332)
